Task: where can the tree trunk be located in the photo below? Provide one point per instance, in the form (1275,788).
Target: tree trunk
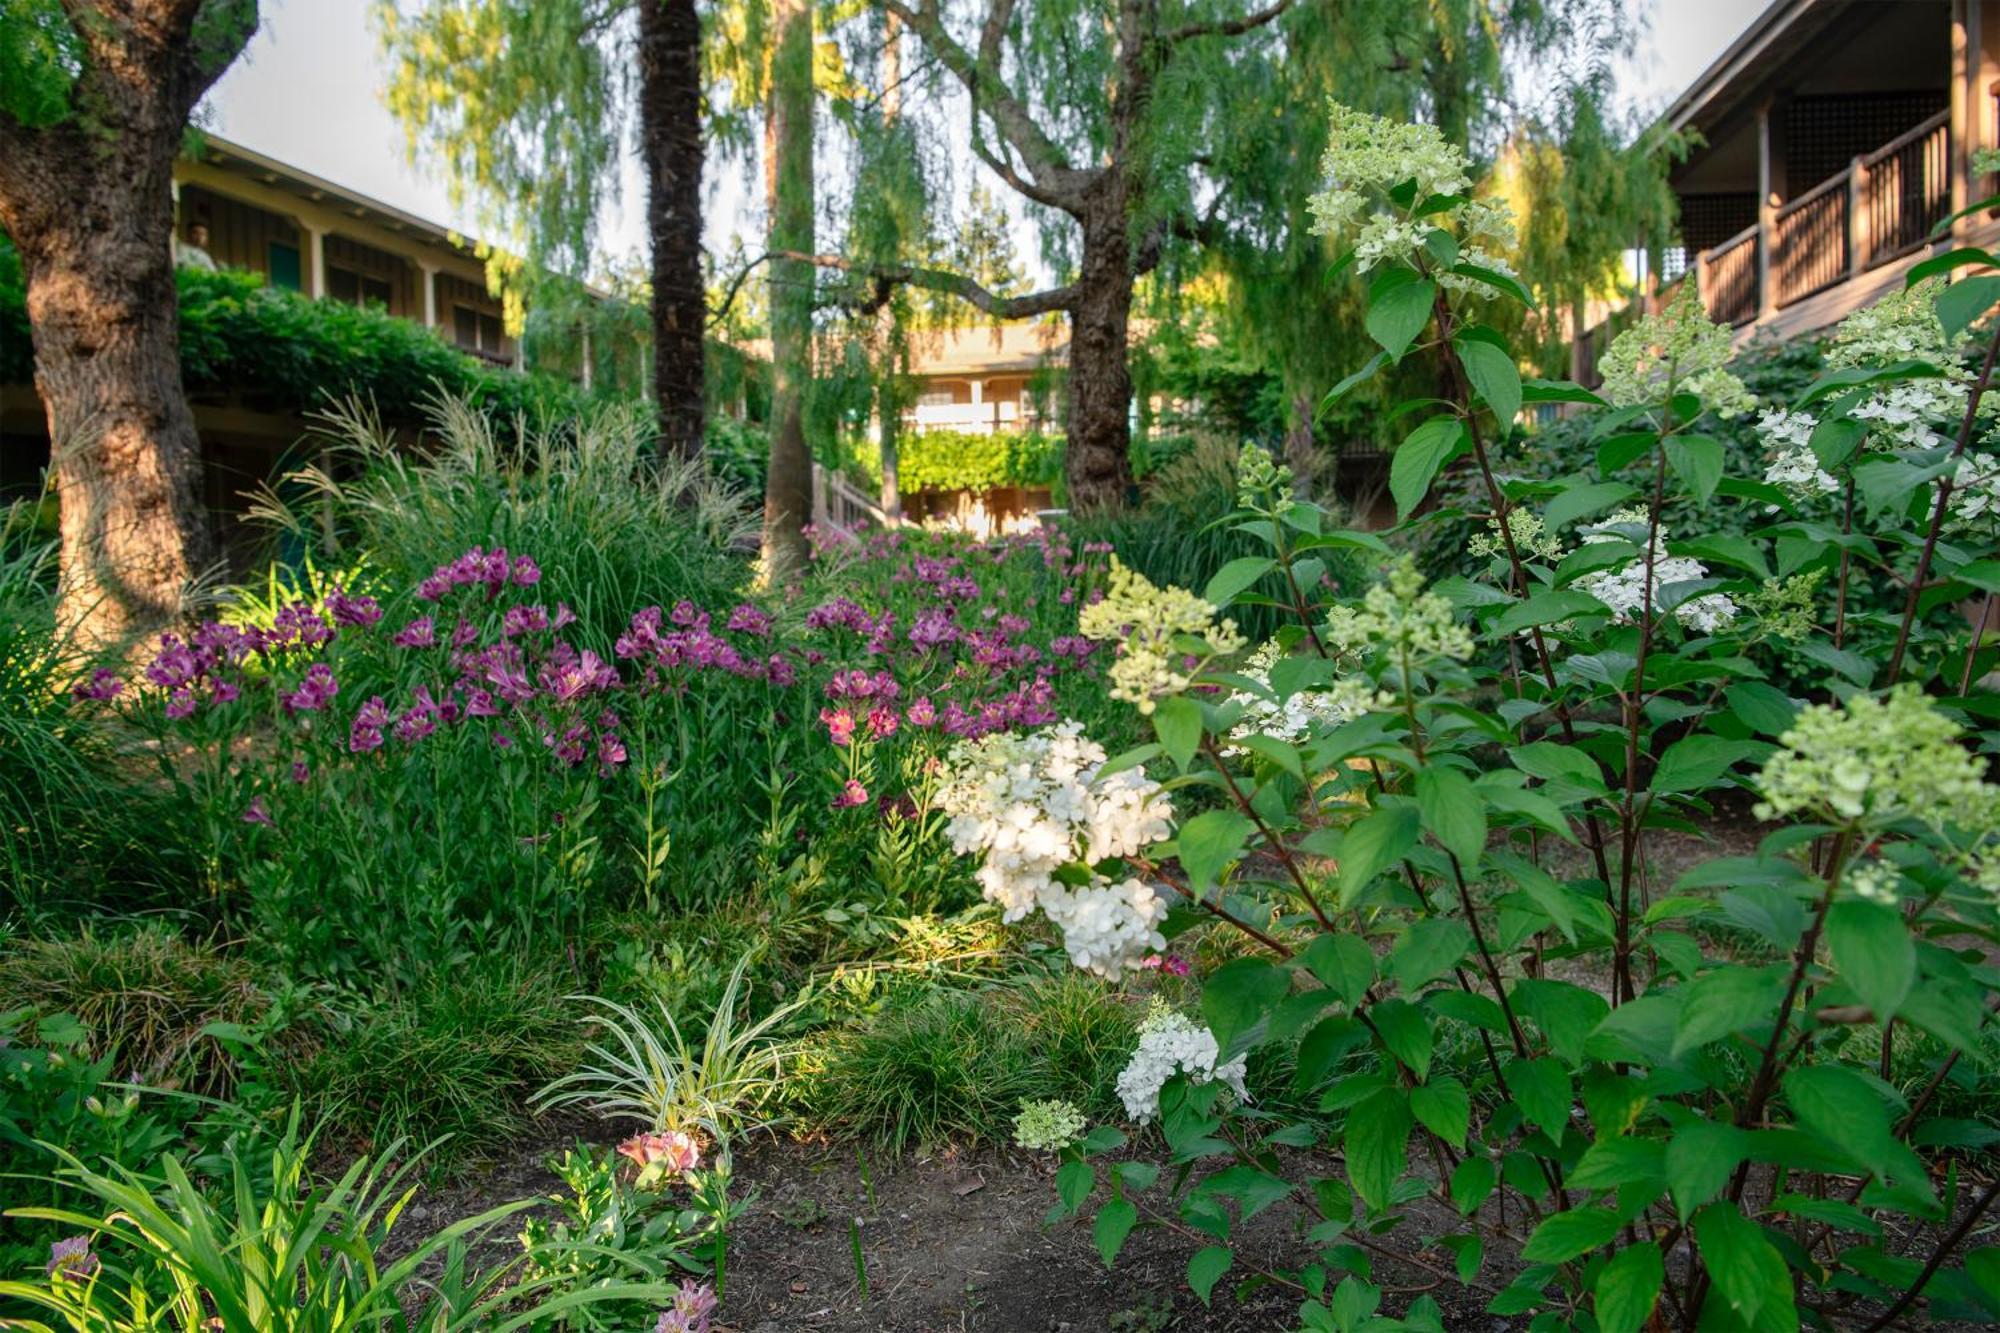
(670,128)
(1098,462)
(788,185)
(88,201)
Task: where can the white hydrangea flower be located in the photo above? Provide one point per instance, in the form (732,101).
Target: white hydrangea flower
(1029,805)
(1679,348)
(1169,1044)
(1144,621)
(1369,155)
(1794,468)
(1975,497)
(1397,617)
(1293,720)
(1624,589)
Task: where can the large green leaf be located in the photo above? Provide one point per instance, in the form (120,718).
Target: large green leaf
(1628,1288)
(1444,1107)
(1564,1236)
(1406,1031)
(1206,1266)
(1377,1145)
(1239,995)
(1209,842)
(1452,812)
(1494,377)
(1373,844)
(1428,949)
(1725,1001)
(1695,762)
(1343,963)
(1399,305)
(1540,1087)
(1749,1272)
(1697,461)
(1427,448)
(1236,576)
(1114,1223)
(1701,1156)
(1874,954)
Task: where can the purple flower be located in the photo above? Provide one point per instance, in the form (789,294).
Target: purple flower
(564,617)
(464,634)
(859,684)
(526,572)
(569,748)
(686,613)
(922,713)
(419,633)
(180,704)
(851,795)
(415,724)
(610,752)
(256,813)
(224,691)
(299,625)
(71,1258)
(366,733)
(101,687)
(934,628)
(521,620)
(173,666)
(301,774)
(359,612)
(693,1304)
(748,619)
(316,690)
(780,672)
(569,681)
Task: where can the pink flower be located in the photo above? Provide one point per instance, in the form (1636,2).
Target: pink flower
(300,773)
(851,795)
(693,1304)
(419,633)
(923,712)
(675,1151)
(72,1258)
(839,724)
(256,813)
(881,722)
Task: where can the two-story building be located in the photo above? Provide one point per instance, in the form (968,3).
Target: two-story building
(1835,137)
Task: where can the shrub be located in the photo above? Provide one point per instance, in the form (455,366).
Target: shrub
(952,460)
(1510,1043)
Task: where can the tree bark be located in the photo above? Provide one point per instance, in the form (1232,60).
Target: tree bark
(788,187)
(670,129)
(88,201)
(1098,462)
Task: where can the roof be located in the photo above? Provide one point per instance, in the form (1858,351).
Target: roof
(1781,28)
(988,348)
(282,176)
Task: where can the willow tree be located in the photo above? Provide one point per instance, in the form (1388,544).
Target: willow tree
(527,103)
(1087,109)
(94,99)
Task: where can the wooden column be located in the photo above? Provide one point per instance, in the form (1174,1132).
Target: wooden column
(315,274)
(1770,173)
(1858,239)
(428,275)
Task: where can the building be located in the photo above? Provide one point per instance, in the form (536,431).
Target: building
(1836,135)
(987,377)
(307,234)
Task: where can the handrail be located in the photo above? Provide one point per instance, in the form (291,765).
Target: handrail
(1748,234)
(1916,132)
(1826,186)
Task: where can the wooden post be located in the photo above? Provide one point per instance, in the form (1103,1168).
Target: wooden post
(315,260)
(1698,275)
(1960,135)
(1767,213)
(1858,239)
(429,275)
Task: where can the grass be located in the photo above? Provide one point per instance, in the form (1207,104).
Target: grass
(455,1057)
(148,997)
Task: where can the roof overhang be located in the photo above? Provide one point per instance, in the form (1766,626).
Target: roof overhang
(1740,72)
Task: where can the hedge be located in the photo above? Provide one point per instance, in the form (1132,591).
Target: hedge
(951,460)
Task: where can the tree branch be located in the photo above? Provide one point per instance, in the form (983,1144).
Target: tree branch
(1228,27)
(888,276)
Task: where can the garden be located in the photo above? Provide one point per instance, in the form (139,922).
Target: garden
(1571,908)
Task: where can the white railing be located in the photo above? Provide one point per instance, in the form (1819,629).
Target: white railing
(970,418)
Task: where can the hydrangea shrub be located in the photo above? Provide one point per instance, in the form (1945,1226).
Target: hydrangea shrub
(1531,1048)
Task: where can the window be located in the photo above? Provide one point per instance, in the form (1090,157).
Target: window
(938,397)
(476,330)
(283,262)
(357,289)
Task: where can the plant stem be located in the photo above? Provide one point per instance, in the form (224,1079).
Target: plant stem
(1945,1247)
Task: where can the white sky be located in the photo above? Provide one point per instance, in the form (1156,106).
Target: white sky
(308,92)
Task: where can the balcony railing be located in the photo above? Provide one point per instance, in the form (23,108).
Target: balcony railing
(970,418)
(1883,206)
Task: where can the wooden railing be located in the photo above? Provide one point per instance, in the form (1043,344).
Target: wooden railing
(1809,241)
(1906,185)
(1728,277)
(839,508)
(1886,204)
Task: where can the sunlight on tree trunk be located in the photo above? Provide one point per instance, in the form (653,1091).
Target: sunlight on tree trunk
(788,185)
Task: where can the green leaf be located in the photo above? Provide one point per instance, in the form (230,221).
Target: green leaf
(1206,1266)
(1177,722)
(1696,460)
(1494,376)
(1428,949)
(1541,886)
(1399,305)
(1373,844)
(1628,1288)
(1874,954)
(1696,762)
(1427,449)
(1344,964)
(1406,1031)
(1580,500)
(1209,842)
(1964,301)
(1239,995)
(1724,1002)
(1342,389)
(1236,576)
(1074,1181)
(1540,1087)
(1618,1161)
(1472,1182)
(1701,1156)
(1546,608)
(1114,1223)
(1377,1145)
(1765,709)
(1839,1106)
(1749,1272)
(1452,812)
(1498,281)
(1444,1107)
(1563,1236)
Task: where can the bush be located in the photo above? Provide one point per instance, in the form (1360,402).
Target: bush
(951,460)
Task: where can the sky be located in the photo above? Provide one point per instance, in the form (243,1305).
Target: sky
(308,92)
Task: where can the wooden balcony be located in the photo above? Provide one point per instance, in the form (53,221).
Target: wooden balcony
(1881,209)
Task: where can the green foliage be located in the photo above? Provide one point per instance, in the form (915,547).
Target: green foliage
(952,460)
(1446,808)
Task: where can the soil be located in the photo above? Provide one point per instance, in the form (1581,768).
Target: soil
(961,1241)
